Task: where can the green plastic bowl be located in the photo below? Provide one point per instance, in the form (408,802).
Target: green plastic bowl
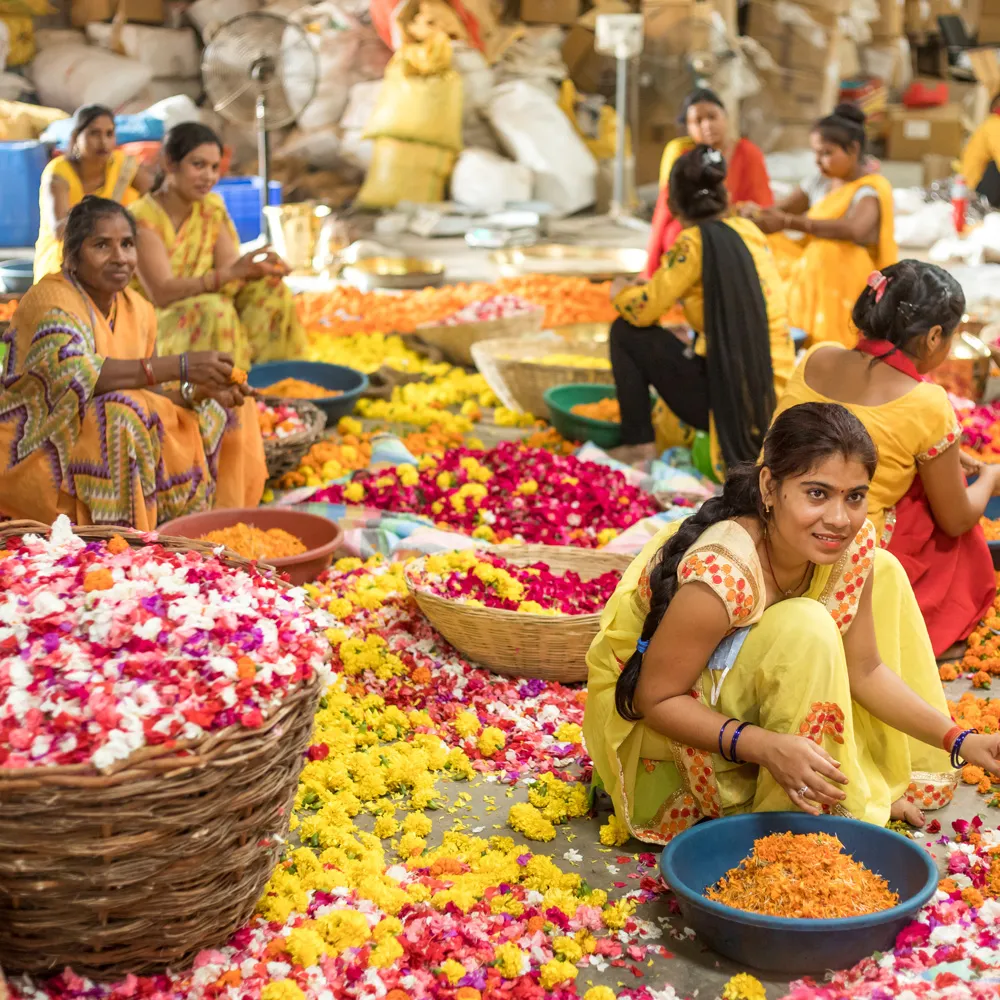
(561,399)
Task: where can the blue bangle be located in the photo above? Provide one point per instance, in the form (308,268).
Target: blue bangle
(956,761)
(722,753)
(733,759)
(641,646)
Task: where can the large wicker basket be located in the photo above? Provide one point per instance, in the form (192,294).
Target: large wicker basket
(513,642)
(513,371)
(455,342)
(141,868)
(284,454)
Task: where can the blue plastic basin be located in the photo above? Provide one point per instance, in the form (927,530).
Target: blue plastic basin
(17,275)
(350,382)
(699,857)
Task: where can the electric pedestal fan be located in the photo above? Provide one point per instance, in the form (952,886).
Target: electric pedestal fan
(260,71)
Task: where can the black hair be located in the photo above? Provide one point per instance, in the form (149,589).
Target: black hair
(844,128)
(700,95)
(697,185)
(83,118)
(800,438)
(81,220)
(183,139)
(917,296)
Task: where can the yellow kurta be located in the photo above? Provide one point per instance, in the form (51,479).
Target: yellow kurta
(254,321)
(130,457)
(678,279)
(117,186)
(909,430)
(825,277)
(782,668)
(982,149)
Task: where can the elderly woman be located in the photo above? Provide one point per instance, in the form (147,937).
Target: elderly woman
(87,425)
(92,165)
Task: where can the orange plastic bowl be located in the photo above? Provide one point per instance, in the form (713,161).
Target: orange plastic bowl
(321,537)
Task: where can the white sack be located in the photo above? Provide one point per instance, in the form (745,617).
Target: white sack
(68,76)
(169,52)
(486,182)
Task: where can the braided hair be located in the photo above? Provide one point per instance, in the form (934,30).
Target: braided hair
(81,220)
(799,439)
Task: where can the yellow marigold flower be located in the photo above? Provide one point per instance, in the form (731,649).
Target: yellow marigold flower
(282,989)
(743,986)
(385,953)
(349,426)
(340,607)
(567,948)
(485,532)
(354,493)
(305,946)
(526,819)
(343,929)
(453,970)
(417,824)
(527,488)
(616,915)
(510,961)
(385,826)
(614,833)
(599,993)
(553,973)
(491,740)
(569,732)
(410,845)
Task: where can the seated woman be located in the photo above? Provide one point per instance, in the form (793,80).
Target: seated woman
(921,508)
(87,428)
(207,296)
(722,272)
(765,654)
(847,215)
(981,157)
(707,124)
(91,165)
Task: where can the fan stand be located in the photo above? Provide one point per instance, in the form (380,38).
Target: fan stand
(262,73)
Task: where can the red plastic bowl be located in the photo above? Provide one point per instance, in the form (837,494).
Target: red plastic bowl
(321,537)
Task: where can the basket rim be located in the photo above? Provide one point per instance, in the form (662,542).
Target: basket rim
(309,411)
(119,772)
(484,324)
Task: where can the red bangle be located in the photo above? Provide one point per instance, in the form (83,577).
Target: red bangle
(148,369)
(950,737)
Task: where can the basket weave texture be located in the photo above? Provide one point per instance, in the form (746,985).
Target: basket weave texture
(284,454)
(512,369)
(140,868)
(514,643)
(455,342)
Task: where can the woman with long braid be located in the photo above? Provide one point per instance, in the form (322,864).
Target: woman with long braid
(765,654)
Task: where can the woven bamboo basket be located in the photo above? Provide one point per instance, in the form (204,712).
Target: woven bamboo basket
(513,642)
(140,868)
(284,455)
(455,342)
(513,372)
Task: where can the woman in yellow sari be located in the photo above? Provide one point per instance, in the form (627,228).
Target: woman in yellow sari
(207,296)
(765,654)
(87,428)
(91,165)
(847,216)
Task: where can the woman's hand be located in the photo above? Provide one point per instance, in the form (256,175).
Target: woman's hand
(231,396)
(621,283)
(747,210)
(210,369)
(983,750)
(251,266)
(796,763)
(770,220)
(970,466)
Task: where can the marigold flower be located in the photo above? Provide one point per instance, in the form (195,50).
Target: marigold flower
(743,986)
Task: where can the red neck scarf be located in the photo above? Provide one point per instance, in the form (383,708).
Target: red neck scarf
(890,355)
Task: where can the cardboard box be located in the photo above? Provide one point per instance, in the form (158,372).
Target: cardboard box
(664,18)
(921,16)
(655,131)
(989,29)
(794,45)
(140,11)
(550,11)
(914,134)
(591,72)
(891,22)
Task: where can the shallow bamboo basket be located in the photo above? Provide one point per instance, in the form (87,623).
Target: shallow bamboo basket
(513,372)
(512,642)
(284,454)
(142,867)
(456,342)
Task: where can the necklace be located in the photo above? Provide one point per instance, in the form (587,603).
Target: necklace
(792,590)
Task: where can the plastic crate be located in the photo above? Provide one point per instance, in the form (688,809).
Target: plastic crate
(21,166)
(242,198)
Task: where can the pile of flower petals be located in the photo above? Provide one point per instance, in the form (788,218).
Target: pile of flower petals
(492,581)
(495,307)
(278,420)
(981,430)
(511,492)
(105,648)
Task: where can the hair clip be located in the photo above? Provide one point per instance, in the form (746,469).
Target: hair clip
(712,156)
(877,282)
(641,646)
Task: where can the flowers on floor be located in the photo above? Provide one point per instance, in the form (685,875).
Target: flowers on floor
(106,648)
(487,580)
(509,492)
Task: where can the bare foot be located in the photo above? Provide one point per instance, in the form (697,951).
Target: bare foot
(634,454)
(907,812)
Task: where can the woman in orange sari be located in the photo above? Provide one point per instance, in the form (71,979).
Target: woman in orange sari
(87,428)
(707,124)
(846,214)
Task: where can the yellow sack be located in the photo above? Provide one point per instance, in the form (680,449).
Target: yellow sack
(421,97)
(604,144)
(26,121)
(25,8)
(22,39)
(406,171)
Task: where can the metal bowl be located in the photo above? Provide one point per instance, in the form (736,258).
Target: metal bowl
(394,272)
(594,263)
(967,369)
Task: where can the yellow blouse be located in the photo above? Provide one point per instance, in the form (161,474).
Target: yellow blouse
(914,428)
(982,149)
(678,279)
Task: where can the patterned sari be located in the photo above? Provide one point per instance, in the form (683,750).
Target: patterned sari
(254,320)
(782,668)
(129,457)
